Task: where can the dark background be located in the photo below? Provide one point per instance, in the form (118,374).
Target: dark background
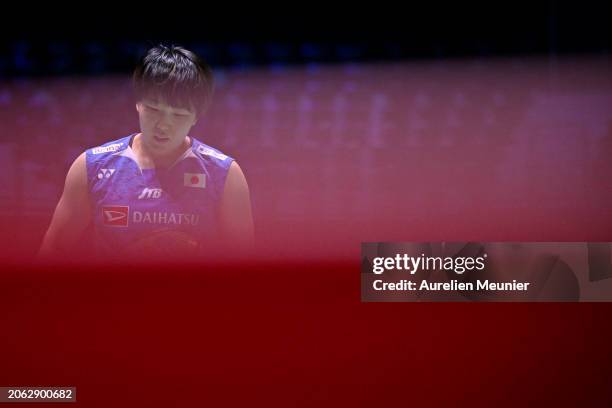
(101,39)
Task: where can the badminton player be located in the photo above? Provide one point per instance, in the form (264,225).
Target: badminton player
(159,192)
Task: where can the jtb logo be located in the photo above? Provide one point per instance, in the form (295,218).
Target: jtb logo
(116,215)
(150,193)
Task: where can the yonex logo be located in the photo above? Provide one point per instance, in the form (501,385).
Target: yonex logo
(105,173)
(150,193)
(116,215)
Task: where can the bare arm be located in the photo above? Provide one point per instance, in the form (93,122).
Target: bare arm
(72,214)
(235,212)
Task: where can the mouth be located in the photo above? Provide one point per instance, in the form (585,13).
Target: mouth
(160,138)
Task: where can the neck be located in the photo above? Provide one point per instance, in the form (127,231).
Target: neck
(150,159)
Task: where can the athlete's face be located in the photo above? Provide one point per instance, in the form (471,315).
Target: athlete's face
(163,127)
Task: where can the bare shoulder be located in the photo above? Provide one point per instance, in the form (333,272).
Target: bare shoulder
(72,213)
(79,164)
(77,174)
(235,176)
(76,191)
(236,213)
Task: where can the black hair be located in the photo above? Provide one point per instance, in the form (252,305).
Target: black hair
(177,76)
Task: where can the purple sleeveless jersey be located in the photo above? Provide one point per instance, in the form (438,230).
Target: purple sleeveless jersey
(159,211)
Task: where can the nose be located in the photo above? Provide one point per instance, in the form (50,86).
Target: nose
(163,124)
(162,128)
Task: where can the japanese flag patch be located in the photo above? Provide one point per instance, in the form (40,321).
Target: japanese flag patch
(196,180)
